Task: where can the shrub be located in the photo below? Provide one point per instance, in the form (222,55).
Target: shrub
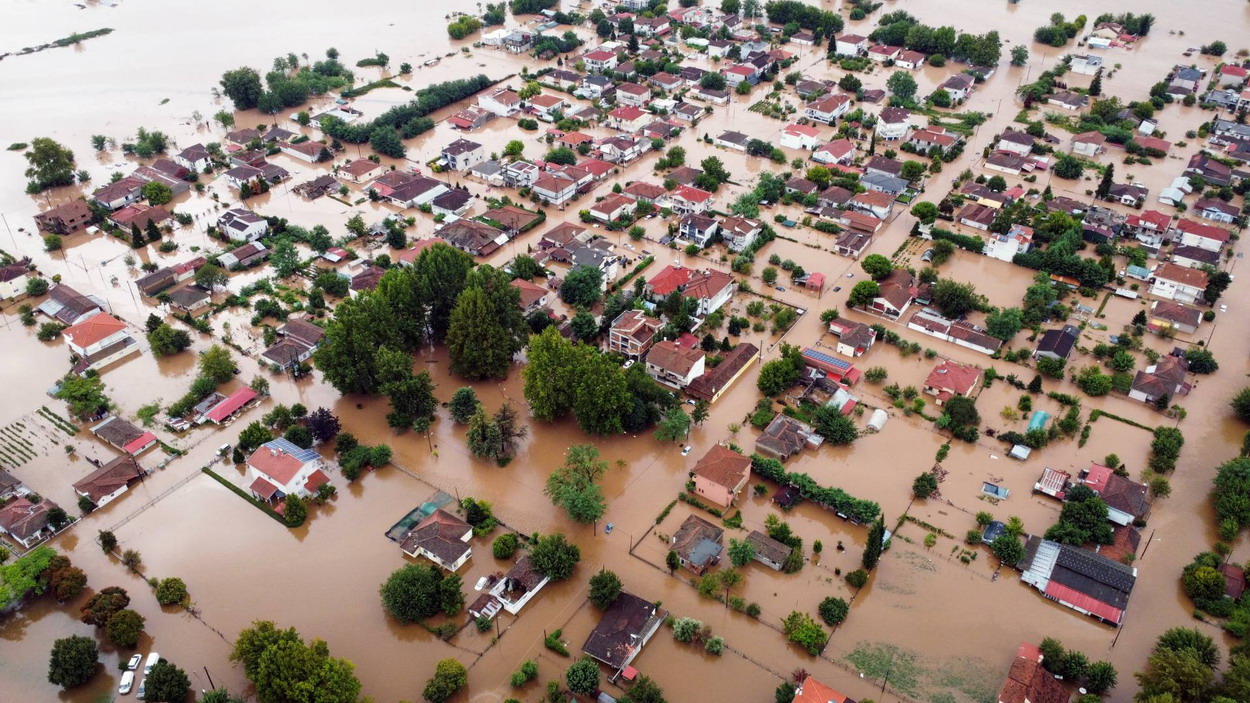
(833,610)
(526,673)
(505,545)
(715,645)
(171,591)
(686,629)
(857,578)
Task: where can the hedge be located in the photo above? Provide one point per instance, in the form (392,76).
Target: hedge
(244,494)
(963,241)
(841,502)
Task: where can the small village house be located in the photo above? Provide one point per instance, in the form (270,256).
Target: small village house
(698,544)
(279,469)
(721,475)
(442,538)
(109,482)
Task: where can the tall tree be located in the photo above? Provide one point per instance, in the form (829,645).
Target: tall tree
(285,258)
(602,395)
(463,405)
(243,87)
(553,556)
(1104,186)
(551,375)
(73,661)
(487,326)
(51,165)
(876,539)
(348,352)
(442,271)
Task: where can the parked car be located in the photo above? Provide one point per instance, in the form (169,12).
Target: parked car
(151,662)
(685,450)
(143,689)
(134,662)
(128,681)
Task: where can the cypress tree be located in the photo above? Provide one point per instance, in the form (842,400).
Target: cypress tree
(876,539)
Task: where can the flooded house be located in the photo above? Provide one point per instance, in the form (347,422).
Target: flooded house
(280,468)
(25,521)
(1128,501)
(124,435)
(632,333)
(1088,583)
(769,551)
(99,341)
(1028,682)
(68,306)
(298,339)
(784,437)
(221,410)
(720,475)
(811,690)
(442,538)
(1163,380)
(951,378)
(64,219)
(623,630)
(1057,344)
(242,224)
(109,482)
(713,384)
(674,365)
(697,543)
(511,592)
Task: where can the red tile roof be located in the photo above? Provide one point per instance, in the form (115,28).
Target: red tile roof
(723,466)
(669,279)
(275,464)
(94,329)
(231,405)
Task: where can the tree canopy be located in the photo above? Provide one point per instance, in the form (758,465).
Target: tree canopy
(286,670)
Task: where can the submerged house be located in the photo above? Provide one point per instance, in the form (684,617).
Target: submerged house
(698,544)
(442,538)
(721,474)
(625,628)
(110,481)
(1086,582)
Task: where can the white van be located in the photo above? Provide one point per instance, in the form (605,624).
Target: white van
(128,680)
(151,662)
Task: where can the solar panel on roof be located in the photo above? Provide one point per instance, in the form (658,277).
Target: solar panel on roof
(303,455)
(826,359)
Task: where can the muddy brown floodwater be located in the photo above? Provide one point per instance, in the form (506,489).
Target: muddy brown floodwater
(945,630)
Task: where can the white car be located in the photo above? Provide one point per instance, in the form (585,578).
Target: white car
(151,662)
(134,662)
(143,688)
(128,681)
(1223,308)
(685,450)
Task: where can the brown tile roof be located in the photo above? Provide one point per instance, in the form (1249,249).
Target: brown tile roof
(715,380)
(440,535)
(953,376)
(769,548)
(1028,682)
(673,358)
(119,472)
(617,636)
(723,466)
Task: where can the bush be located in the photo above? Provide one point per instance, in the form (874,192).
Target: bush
(449,677)
(686,629)
(857,578)
(924,486)
(505,545)
(801,629)
(171,591)
(833,610)
(715,645)
(526,673)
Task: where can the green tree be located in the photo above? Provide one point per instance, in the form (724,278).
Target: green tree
(901,85)
(835,427)
(124,628)
(1004,323)
(217,363)
(73,661)
(833,610)
(645,690)
(877,266)
(156,193)
(104,605)
(1069,167)
(85,396)
(166,683)
(463,405)
(1008,549)
(601,394)
(605,588)
(554,557)
(385,140)
(924,485)
(295,510)
(285,669)
(449,677)
(1108,179)
(1019,55)
(1181,675)
(925,211)
(243,87)
(171,591)
(582,286)
(863,294)
(415,592)
(741,552)
(955,299)
(165,340)
(876,542)
(486,326)
(209,277)
(551,374)
(801,629)
(284,258)
(51,165)
(573,486)
(674,426)
(583,676)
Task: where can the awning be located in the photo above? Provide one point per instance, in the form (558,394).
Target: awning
(263,488)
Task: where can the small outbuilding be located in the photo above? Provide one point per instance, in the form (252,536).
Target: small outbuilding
(877,420)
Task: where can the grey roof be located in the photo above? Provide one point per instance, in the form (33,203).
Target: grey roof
(888,184)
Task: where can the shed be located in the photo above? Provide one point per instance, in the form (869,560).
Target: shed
(1020,452)
(1038,421)
(877,420)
